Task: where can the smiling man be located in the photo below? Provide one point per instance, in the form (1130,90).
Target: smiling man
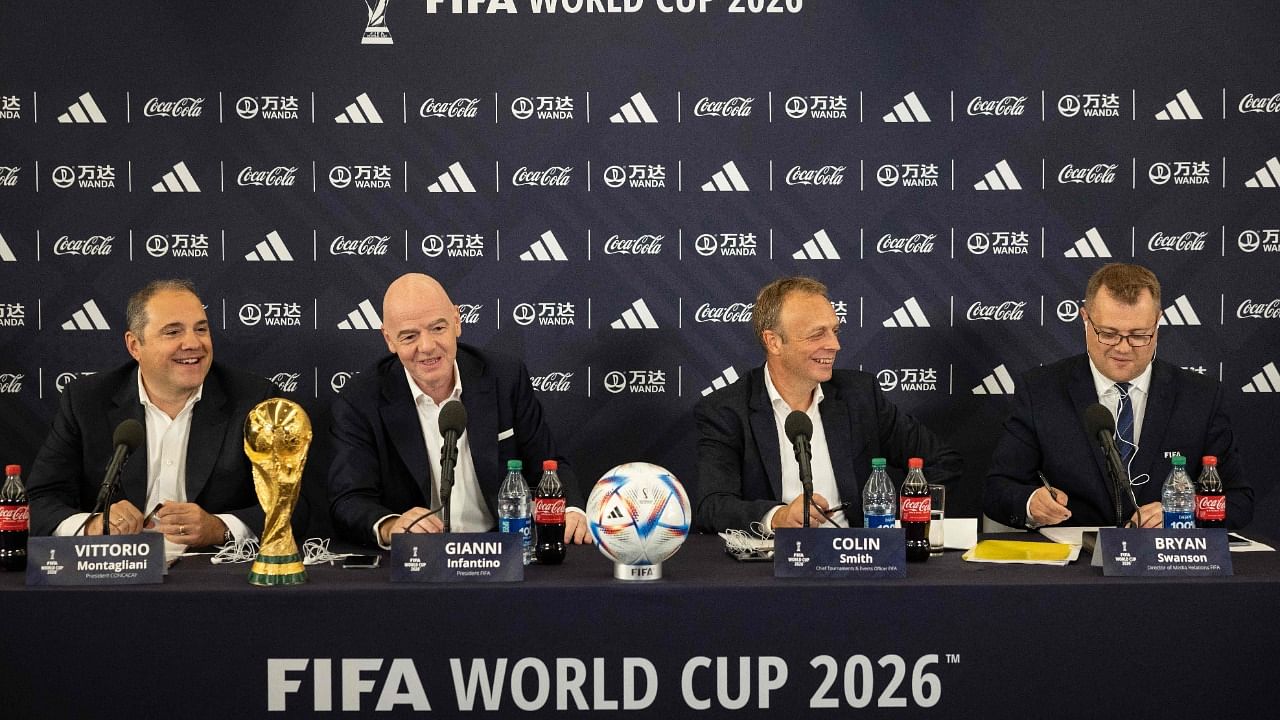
(1159,409)
(747,471)
(193,457)
(387,439)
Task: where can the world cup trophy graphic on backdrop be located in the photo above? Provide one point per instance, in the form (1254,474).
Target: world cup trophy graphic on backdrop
(376,31)
(277,434)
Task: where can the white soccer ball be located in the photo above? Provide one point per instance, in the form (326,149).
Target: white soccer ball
(638,514)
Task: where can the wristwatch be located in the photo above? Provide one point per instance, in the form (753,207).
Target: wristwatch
(227,536)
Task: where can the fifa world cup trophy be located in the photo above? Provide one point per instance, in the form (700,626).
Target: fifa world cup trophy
(277,434)
(376,31)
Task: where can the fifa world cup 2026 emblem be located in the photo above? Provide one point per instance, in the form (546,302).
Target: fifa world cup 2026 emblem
(277,434)
(375,31)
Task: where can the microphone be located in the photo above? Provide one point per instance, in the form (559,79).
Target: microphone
(1101,426)
(799,428)
(453,422)
(127,437)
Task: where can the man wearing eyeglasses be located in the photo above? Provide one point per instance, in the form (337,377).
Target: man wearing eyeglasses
(1046,470)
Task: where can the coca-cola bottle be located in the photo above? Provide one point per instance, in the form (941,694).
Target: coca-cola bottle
(915,511)
(1211,501)
(14,520)
(548,516)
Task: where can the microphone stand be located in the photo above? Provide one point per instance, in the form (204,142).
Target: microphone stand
(448,460)
(109,485)
(1119,477)
(806,473)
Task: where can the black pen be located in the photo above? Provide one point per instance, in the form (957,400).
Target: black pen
(423,517)
(151,514)
(1045,481)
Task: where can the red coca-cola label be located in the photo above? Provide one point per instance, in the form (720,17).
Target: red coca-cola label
(548,511)
(916,509)
(1211,507)
(14,518)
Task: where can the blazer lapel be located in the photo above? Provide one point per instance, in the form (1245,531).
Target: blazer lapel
(837,425)
(209,420)
(133,479)
(401,420)
(1155,422)
(479,393)
(766,433)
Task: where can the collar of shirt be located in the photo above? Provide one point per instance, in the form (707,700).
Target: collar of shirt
(419,395)
(780,407)
(1109,395)
(145,400)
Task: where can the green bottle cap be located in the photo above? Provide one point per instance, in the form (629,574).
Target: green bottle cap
(1178,461)
(877,463)
(514,465)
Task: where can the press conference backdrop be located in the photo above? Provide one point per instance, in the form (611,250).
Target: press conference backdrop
(604,184)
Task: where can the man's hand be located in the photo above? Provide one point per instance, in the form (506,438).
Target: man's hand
(1151,514)
(792,516)
(409,522)
(189,524)
(1045,509)
(576,530)
(125,520)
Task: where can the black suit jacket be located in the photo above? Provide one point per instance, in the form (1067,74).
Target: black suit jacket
(1046,432)
(740,463)
(381,466)
(69,469)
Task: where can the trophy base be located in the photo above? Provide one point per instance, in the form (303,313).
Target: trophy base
(270,570)
(637,573)
(376,37)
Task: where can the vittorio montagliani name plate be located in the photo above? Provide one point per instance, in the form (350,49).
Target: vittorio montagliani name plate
(847,554)
(1163,552)
(456,557)
(111,560)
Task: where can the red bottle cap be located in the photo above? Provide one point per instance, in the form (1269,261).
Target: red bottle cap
(12,469)
(549,465)
(915,463)
(1209,461)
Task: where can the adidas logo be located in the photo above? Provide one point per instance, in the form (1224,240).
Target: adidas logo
(1089,246)
(909,110)
(1180,313)
(177,180)
(1181,107)
(272,249)
(1267,381)
(6,254)
(637,317)
(1002,178)
(88,317)
(635,110)
(909,315)
(1266,177)
(999,382)
(727,180)
(453,180)
(725,379)
(364,317)
(819,247)
(359,112)
(615,514)
(544,249)
(83,110)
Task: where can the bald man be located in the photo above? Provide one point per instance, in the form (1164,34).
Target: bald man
(386,472)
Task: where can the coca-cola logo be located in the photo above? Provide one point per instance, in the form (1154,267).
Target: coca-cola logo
(460,108)
(554,176)
(15,517)
(1007,310)
(916,509)
(918,243)
(371,245)
(552,382)
(1252,104)
(469,314)
(643,245)
(93,245)
(548,511)
(1187,241)
(187,107)
(279,176)
(732,107)
(1211,507)
(287,382)
(1100,174)
(11,382)
(1251,309)
(737,312)
(8,176)
(825,175)
(1005,106)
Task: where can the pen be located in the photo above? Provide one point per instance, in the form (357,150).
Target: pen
(423,517)
(1045,481)
(151,515)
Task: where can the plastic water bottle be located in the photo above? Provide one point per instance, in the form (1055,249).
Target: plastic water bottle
(1179,496)
(513,508)
(879,500)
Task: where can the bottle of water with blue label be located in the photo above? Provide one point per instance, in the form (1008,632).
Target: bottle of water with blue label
(513,508)
(1179,496)
(879,500)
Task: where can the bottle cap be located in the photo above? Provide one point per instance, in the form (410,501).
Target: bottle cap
(915,463)
(877,463)
(12,469)
(549,465)
(1209,461)
(1178,461)
(514,465)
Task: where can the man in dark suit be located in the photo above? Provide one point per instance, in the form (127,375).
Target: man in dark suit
(193,457)
(1160,411)
(747,471)
(386,436)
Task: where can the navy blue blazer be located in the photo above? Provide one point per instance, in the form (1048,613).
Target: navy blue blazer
(1046,432)
(69,469)
(381,466)
(740,463)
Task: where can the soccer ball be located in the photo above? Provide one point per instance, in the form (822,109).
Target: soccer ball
(638,514)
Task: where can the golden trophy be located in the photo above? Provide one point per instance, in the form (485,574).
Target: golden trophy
(277,433)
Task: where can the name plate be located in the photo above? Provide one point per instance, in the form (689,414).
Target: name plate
(847,553)
(457,557)
(111,560)
(1163,552)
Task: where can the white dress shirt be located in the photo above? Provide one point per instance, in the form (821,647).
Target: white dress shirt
(824,476)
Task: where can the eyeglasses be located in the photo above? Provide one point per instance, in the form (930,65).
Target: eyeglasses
(1108,337)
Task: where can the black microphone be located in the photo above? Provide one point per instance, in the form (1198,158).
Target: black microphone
(1101,426)
(453,422)
(799,428)
(127,437)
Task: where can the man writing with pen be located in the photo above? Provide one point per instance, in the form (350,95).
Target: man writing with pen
(747,471)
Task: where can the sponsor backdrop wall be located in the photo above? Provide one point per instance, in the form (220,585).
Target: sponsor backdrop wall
(604,184)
